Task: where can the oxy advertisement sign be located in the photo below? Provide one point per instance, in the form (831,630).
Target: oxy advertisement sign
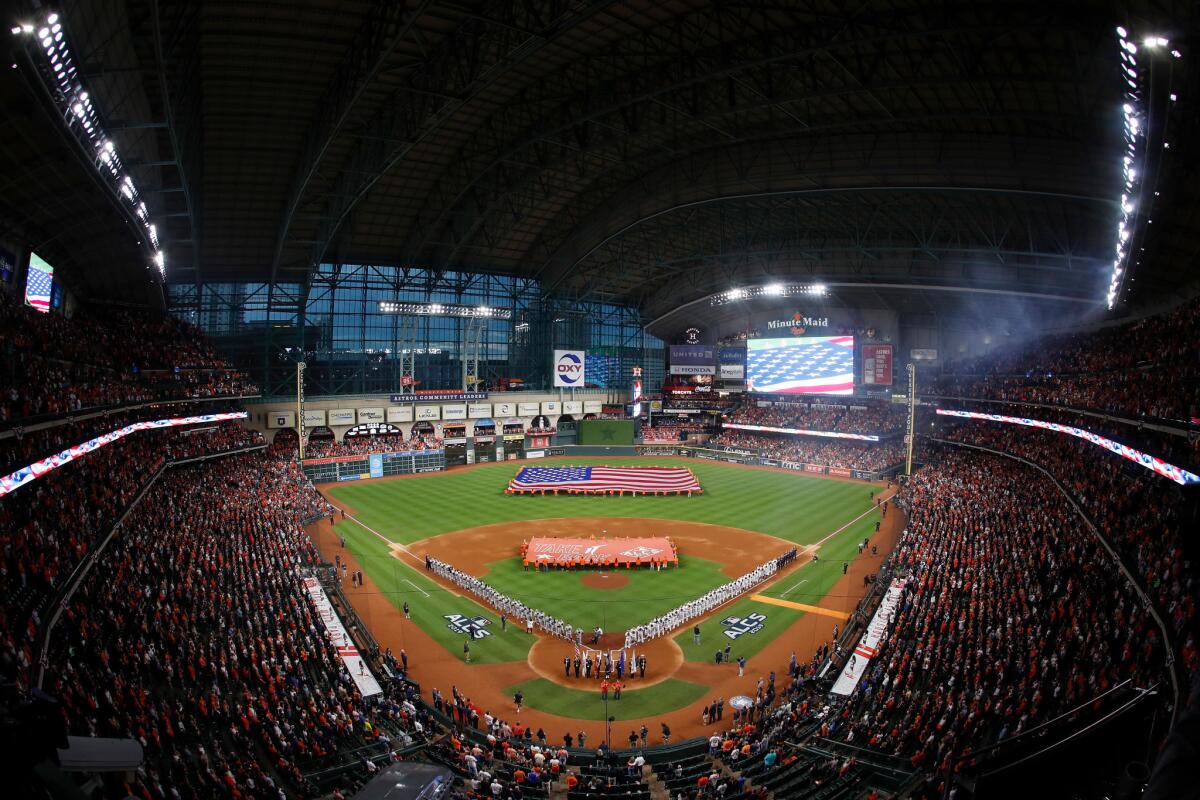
(568,368)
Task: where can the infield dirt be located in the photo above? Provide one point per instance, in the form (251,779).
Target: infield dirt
(470,550)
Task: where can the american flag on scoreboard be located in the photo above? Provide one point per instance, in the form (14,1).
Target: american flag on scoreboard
(823,366)
(38,287)
(604,479)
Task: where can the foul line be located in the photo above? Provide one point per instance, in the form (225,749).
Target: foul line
(398,546)
(383,538)
(794,588)
(418,588)
(825,612)
(847,525)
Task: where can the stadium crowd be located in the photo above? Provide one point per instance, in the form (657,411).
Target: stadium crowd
(1149,368)
(1014,614)
(670,429)
(869,457)
(193,636)
(872,419)
(55,365)
(365,445)
(25,447)
(1137,510)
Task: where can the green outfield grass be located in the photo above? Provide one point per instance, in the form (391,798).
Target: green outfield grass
(647,594)
(792,506)
(635,704)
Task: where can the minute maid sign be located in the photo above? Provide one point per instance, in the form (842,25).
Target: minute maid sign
(798,324)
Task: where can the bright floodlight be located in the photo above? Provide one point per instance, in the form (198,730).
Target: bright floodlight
(774,289)
(735,294)
(16,29)
(1122,32)
(53,18)
(26,29)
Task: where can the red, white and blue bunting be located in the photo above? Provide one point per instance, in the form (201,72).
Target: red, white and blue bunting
(39,468)
(858,437)
(868,645)
(1177,474)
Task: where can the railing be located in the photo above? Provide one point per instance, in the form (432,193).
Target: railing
(43,422)
(1030,737)
(1168,639)
(895,770)
(1160,424)
(64,595)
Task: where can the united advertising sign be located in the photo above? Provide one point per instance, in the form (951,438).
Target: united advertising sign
(693,359)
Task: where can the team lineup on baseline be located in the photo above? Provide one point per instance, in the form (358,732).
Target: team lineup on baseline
(636,567)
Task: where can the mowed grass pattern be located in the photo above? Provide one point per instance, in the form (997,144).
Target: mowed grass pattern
(792,506)
(429,603)
(647,594)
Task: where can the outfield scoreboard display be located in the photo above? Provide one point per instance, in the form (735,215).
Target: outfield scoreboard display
(801,365)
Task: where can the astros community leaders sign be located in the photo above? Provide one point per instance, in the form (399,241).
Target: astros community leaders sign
(569,369)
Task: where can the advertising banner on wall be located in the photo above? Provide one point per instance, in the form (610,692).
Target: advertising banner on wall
(314,418)
(456,411)
(400,414)
(923,354)
(479,410)
(572,407)
(569,369)
(551,407)
(731,372)
(428,412)
(693,359)
(281,419)
(877,364)
(341,416)
(435,396)
(528,409)
(505,409)
(731,355)
(371,416)
(593,406)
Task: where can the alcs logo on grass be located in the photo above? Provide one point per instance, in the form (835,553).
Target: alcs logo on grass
(467,626)
(740,626)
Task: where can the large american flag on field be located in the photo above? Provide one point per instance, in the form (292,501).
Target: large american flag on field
(812,365)
(587,480)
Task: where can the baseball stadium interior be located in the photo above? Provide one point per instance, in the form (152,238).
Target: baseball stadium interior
(598,399)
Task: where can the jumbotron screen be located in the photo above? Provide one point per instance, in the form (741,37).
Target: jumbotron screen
(39,283)
(801,365)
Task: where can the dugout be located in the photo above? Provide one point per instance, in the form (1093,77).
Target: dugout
(454,439)
(483,437)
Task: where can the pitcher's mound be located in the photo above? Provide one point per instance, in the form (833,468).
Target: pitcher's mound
(604,580)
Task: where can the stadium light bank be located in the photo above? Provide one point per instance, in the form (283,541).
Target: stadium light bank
(443,310)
